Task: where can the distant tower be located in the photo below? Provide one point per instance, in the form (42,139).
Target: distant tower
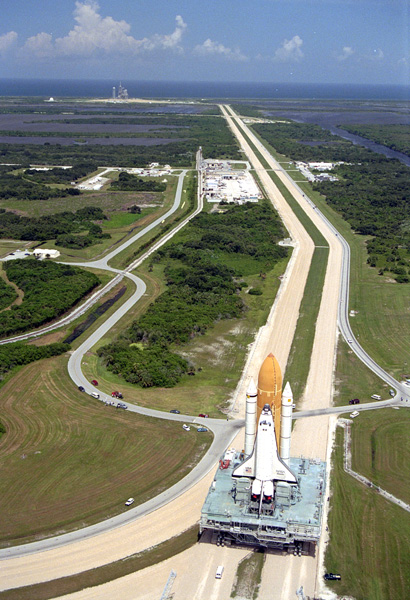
(113,92)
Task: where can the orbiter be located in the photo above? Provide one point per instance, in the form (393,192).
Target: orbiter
(263,463)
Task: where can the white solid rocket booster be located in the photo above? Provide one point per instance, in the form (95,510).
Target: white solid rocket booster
(250,417)
(286,423)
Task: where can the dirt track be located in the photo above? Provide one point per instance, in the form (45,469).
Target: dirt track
(195,567)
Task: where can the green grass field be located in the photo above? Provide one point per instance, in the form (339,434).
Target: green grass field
(369,536)
(381,445)
(59,440)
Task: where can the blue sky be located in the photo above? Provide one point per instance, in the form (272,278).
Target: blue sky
(309,41)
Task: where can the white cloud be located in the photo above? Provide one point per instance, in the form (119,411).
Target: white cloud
(94,35)
(347,52)
(7,40)
(290,51)
(39,45)
(215,48)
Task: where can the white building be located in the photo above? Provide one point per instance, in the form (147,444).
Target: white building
(42,253)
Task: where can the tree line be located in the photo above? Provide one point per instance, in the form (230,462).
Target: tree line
(50,289)
(132,183)
(61,226)
(372,192)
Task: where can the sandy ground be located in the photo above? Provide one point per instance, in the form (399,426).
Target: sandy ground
(196,567)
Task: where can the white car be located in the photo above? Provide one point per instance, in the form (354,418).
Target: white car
(354,414)
(186,427)
(129,502)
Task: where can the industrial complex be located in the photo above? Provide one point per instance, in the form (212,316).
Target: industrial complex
(260,496)
(223,182)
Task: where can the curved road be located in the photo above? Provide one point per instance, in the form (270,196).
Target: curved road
(224,431)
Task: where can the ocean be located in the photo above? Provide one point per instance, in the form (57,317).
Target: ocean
(86,88)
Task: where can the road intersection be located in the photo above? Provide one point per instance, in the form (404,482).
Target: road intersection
(223,431)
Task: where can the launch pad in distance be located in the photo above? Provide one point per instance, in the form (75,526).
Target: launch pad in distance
(260,496)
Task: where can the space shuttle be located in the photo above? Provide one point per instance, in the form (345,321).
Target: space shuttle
(265,465)
(263,462)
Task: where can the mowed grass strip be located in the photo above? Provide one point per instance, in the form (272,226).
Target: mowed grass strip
(298,365)
(101,575)
(381,447)
(68,460)
(248,575)
(369,536)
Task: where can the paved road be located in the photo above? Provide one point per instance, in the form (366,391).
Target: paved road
(103,264)
(224,431)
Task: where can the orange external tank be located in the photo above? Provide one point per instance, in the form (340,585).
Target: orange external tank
(270,390)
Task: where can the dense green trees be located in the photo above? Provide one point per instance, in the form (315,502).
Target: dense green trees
(61,226)
(372,193)
(50,289)
(201,289)
(131,183)
(396,137)
(7,294)
(18,354)
(17,187)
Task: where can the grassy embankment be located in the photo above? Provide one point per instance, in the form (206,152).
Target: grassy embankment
(59,440)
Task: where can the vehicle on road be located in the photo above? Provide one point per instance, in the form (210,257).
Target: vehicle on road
(116,394)
(94,382)
(203,415)
(129,502)
(122,405)
(332,576)
(354,401)
(219,572)
(186,427)
(81,388)
(376,397)
(354,414)
(175,411)
(350,341)
(201,429)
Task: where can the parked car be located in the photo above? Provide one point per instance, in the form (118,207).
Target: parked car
(116,394)
(122,405)
(94,382)
(186,427)
(81,389)
(332,576)
(129,502)
(175,411)
(354,414)
(203,415)
(201,429)
(354,401)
